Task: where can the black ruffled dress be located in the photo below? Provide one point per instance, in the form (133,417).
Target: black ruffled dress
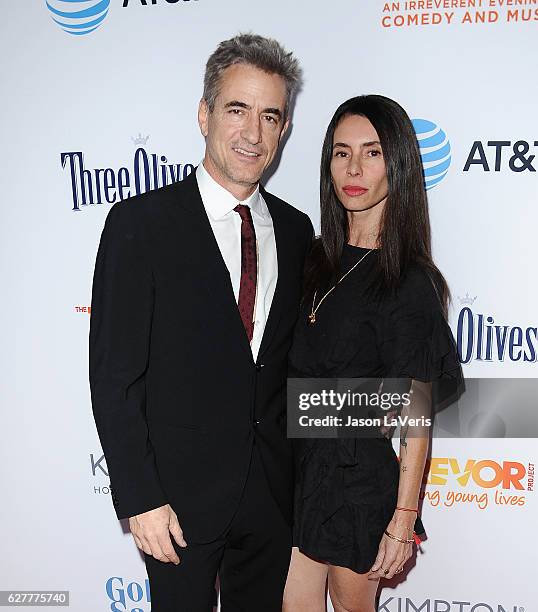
(346,488)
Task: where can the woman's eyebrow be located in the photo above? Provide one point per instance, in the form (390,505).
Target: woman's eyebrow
(364,144)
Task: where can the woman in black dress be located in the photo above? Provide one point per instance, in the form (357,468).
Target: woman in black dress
(375,306)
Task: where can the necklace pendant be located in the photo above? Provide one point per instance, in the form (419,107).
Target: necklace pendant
(312,318)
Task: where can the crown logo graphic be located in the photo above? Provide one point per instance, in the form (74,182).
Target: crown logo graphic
(467,299)
(140,140)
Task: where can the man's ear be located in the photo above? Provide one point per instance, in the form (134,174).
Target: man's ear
(284,130)
(203,116)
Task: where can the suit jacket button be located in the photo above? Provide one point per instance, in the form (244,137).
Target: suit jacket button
(256,423)
(259,366)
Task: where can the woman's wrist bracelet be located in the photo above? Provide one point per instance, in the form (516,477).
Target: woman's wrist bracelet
(399,539)
(407,509)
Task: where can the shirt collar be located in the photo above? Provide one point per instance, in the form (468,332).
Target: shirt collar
(218,201)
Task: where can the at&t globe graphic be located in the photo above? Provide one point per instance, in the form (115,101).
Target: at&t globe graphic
(78,17)
(434,151)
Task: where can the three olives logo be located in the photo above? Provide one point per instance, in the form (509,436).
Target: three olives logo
(434,151)
(78,17)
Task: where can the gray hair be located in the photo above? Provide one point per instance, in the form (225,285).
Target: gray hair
(267,54)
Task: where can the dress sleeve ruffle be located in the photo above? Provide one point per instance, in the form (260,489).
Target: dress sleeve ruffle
(418,342)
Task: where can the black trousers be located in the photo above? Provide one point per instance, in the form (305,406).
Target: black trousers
(251,559)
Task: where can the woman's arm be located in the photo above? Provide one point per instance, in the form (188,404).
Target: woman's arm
(414,443)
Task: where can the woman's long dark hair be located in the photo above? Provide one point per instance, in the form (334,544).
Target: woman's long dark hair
(405,236)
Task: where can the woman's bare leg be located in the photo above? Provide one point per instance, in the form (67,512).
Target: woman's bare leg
(306,585)
(351,592)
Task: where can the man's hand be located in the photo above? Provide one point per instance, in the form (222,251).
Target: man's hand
(151,532)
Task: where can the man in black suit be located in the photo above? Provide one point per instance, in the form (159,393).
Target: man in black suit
(195,294)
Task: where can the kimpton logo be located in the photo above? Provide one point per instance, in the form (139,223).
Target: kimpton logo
(78,17)
(434,151)
(406,604)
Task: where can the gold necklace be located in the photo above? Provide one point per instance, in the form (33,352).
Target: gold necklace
(312,315)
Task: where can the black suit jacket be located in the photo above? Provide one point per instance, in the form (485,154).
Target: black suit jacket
(177,397)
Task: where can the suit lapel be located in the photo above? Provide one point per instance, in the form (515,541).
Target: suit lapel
(208,259)
(283,242)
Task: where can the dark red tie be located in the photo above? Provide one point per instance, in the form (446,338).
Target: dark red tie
(249,269)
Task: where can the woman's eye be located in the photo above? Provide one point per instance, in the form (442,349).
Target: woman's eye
(374,152)
(340,154)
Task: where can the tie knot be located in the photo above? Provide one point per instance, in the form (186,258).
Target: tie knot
(244,212)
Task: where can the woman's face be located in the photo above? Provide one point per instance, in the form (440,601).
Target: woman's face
(357,164)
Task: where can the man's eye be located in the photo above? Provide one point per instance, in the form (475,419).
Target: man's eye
(236,111)
(271,119)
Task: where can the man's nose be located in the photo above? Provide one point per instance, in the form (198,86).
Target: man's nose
(252,131)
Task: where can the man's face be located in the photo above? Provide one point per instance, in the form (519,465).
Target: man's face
(245,127)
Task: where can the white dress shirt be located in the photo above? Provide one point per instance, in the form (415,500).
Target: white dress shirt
(219,205)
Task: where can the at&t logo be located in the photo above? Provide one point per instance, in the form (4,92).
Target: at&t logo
(434,151)
(78,17)
(498,155)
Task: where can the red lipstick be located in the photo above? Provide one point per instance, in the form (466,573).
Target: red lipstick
(354,190)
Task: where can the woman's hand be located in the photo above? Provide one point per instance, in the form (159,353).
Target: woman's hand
(392,554)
